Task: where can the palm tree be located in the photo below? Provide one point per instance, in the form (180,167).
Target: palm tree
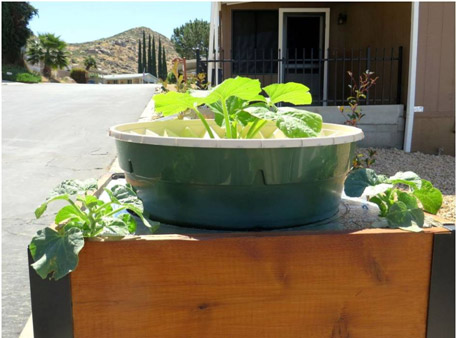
(49,50)
(90,62)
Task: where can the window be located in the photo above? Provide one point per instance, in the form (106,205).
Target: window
(255,41)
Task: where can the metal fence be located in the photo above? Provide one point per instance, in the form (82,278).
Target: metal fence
(323,71)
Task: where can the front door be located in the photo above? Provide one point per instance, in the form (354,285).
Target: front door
(303,50)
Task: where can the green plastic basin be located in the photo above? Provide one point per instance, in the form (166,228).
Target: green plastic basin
(264,183)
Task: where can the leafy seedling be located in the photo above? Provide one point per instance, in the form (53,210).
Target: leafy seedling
(399,207)
(55,251)
(242,112)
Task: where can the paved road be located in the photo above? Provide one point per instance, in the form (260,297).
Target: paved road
(51,132)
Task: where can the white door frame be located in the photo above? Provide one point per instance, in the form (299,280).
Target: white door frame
(326,12)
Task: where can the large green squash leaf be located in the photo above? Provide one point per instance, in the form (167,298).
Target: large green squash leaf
(292,122)
(173,103)
(55,253)
(241,87)
(430,197)
(291,92)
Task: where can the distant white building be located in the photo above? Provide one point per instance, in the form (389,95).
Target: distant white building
(127,78)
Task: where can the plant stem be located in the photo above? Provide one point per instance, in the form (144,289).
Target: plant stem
(228,128)
(102,206)
(257,128)
(82,214)
(112,212)
(249,134)
(205,123)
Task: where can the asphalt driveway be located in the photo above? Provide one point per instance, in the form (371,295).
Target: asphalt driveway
(51,132)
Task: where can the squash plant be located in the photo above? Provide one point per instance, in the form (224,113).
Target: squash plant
(242,111)
(55,251)
(400,207)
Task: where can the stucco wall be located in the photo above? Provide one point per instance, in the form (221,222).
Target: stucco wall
(434,129)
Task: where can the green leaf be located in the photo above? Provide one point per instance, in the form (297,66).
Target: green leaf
(292,122)
(234,108)
(399,215)
(173,102)
(124,195)
(73,187)
(409,200)
(139,213)
(55,253)
(381,204)
(241,87)
(291,92)
(118,226)
(299,123)
(430,197)
(216,108)
(262,112)
(89,200)
(42,208)
(359,179)
(69,212)
(407,178)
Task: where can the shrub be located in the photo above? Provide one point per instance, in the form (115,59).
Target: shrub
(27,77)
(19,74)
(171,78)
(80,75)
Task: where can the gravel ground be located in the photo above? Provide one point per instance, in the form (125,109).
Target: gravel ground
(438,169)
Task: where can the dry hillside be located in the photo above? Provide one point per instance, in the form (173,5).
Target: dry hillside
(118,54)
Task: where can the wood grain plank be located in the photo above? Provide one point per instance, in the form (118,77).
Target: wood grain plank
(370,285)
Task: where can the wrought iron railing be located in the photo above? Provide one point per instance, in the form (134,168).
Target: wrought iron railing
(323,71)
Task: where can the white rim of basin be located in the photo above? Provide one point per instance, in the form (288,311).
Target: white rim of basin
(340,134)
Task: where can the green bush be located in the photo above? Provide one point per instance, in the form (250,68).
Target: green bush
(171,78)
(27,77)
(19,74)
(80,75)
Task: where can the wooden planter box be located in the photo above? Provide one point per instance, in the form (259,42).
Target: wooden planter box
(369,283)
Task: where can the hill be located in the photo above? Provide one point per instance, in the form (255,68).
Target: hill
(118,54)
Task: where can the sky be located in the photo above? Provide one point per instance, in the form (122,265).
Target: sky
(78,22)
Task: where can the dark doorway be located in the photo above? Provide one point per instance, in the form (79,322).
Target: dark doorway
(303,45)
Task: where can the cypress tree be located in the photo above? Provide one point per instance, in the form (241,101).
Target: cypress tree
(149,68)
(140,66)
(154,60)
(145,64)
(164,65)
(159,61)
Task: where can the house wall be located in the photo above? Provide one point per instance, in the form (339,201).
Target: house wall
(434,129)
(370,24)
